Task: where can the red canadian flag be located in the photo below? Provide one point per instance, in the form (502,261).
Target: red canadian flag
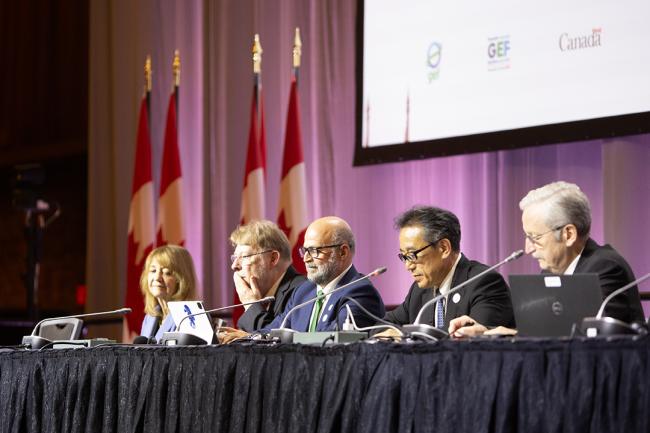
(170,215)
(141,225)
(292,214)
(253,201)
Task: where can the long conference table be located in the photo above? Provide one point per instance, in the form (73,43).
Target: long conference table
(505,385)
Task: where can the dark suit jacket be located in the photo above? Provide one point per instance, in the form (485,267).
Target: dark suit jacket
(486,300)
(613,272)
(257,316)
(334,311)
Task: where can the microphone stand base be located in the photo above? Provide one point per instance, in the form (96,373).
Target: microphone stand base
(331,337)
(421,329)
(608,326)
(285,335)
(35,342)
(181,339)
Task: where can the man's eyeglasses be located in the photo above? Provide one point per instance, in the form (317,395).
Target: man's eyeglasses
(245,260)
(535,238)
(314,252)
(412,256)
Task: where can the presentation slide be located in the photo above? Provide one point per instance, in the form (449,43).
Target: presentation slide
(433,70)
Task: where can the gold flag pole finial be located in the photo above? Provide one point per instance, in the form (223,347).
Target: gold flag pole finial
(297,48)
(147,74)
(257,54)
(176,68)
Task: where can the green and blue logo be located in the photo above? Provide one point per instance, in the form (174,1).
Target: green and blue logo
(434,56)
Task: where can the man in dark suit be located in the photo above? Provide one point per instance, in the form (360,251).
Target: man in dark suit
(613,272)
(262,267)
(556,219)
(328,251)
(429,239)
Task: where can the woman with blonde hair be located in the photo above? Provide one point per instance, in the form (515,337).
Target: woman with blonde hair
(168,275)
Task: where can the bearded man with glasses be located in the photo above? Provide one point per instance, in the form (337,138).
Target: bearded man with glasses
(328,251)
(429,240)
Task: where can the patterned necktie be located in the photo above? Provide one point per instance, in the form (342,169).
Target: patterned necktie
(316,313)
(440,313)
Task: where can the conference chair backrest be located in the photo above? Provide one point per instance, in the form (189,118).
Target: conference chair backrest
(61,329)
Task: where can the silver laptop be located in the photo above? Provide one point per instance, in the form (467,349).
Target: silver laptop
(547,305)
(199,325)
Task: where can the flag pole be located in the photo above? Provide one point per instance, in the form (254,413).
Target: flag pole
(297,53)
(257,70)
(176,70)
(292,207)
(170,210)
(141,227)
(252,200)
(148,72)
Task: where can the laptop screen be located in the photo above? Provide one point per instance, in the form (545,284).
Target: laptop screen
(547,305)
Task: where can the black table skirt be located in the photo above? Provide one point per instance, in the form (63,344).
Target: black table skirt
(478,386)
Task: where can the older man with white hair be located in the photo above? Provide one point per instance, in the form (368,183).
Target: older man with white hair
(556,219)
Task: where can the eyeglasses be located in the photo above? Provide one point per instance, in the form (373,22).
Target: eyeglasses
(412,256)
(535,238)
(314,252)
(245,260)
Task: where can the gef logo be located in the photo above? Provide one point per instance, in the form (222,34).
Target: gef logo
(498,51)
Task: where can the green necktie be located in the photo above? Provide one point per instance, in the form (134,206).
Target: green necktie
(317,307)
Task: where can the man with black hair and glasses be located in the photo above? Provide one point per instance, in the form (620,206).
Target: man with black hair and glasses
(328,251)
(429,240)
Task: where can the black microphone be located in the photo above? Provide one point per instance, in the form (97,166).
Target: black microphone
(418,328)
(151,339)
(185,339)
(604,326)
(141,339)
(286,334)
(35,342)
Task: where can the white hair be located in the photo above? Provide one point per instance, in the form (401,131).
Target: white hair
(561,203)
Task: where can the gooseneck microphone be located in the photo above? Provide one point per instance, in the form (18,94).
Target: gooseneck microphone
(35,342)
(599,325)
(79,316)
(418,328)
(618,292)
(286,334)
(179,338)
